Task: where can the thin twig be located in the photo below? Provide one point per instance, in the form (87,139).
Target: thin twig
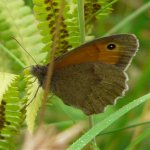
(51,65)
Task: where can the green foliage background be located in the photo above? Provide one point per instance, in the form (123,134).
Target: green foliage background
(139,73)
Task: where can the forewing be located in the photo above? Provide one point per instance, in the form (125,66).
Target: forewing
(98,50)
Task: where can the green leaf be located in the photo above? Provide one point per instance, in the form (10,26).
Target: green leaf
(94,10)
(99,127)
(129,18)
(139,139)
(11,115)
(34,104)
(5,80)
(17,20)
(47,13)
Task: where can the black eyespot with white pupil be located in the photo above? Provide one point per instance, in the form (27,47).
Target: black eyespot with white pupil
(111,46)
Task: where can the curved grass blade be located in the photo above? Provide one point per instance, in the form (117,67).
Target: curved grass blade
(89,135)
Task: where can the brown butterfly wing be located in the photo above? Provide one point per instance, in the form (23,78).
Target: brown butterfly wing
(97,51)
(92,81)
(88,87)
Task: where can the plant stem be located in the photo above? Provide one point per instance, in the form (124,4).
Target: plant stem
(81,20)
(91,123)
(51,59)
(82,40)
(12,56)
(128,19)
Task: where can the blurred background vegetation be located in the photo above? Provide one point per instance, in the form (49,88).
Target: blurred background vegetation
(63,117)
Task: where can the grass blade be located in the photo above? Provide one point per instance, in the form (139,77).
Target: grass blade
(88,136)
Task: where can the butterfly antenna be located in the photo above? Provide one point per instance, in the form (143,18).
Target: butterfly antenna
(24,50)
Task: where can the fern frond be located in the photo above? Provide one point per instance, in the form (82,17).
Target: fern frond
(47,14)
(11,116)
(97,8)
(5,80)
(72,22)
(17,20)
(90,8)
(33,107)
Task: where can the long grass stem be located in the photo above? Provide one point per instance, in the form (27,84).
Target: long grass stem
(128,19)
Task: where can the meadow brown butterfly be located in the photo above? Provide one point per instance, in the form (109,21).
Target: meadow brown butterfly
(92,76)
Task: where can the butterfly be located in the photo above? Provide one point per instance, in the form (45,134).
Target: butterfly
(92,76)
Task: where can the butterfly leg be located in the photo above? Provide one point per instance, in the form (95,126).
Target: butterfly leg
(33,96)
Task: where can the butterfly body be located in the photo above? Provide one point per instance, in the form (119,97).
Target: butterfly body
(92,76)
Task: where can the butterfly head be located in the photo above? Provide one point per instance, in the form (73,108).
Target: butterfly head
(39,72)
